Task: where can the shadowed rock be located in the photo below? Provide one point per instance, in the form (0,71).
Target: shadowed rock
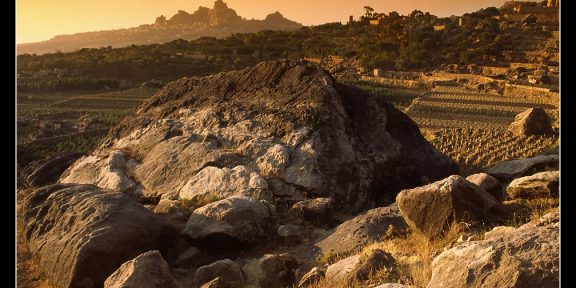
(373,225)
(47,171)
(227,272)
(488,183)
(271,271)
(80,233)
(432,208)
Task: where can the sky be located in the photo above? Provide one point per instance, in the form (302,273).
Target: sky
(38,20)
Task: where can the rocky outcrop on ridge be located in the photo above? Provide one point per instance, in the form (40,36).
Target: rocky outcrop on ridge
(287,122)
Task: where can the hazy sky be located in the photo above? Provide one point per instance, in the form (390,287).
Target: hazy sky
(42,19)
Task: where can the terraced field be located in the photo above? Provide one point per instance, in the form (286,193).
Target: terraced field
(471,127)
(50,123)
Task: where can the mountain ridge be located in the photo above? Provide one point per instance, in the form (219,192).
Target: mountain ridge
(219,21)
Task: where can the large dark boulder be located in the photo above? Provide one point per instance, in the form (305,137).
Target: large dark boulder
(80,234)
(287,122)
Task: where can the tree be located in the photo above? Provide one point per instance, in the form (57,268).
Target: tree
(369,12)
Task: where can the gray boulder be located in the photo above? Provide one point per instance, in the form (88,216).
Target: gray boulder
(432,208)
(80,234)
(234,220)
(373,225)
(318,210)
(512,169)
(539,185)
(283,120)
(527,256)
(148,270)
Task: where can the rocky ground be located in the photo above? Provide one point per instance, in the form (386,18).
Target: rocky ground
(279,176)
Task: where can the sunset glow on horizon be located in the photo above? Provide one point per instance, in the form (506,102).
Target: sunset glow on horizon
(41,20)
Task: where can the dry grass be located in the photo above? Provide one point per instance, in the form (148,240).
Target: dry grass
(27,271)
(526,210)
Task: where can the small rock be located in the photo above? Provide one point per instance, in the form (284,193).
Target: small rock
(343,270)
(319,210)
(513,169)
(188,257)
(231,221)
(533,121)
(227,270)
(488,183)
(539,185)
(375,261)
(430,209)
(373,225)
(148,270)
(291,234)
(272,271)
(313,276)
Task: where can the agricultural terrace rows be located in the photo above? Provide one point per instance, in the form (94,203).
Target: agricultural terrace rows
(103,109)
(454,106)
(485,147)
(471,127)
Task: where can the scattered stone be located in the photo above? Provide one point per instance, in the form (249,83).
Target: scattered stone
(231,221)
(533,121)
(509,170)
(373,225)
(376,260)
(187,258)
(539,185)
(291,234)
(489,184)
(313,276)
(342,271)
(271,271)
(226,270)
(527,256)
(432,208)
(148,270)
(318,210)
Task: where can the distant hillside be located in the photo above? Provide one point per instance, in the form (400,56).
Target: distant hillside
(220,21)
